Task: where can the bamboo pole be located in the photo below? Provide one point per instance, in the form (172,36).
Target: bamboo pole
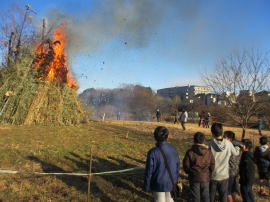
(90,174)
(43,29)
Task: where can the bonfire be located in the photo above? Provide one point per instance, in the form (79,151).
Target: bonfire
(51,59)
(43,90)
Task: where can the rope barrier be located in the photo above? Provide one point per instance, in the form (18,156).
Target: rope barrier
(72,174)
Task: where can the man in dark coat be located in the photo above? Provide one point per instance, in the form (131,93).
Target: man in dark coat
(156,177)
(199,164)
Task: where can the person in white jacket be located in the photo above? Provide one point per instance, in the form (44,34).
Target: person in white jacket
(183,119)
(222,150)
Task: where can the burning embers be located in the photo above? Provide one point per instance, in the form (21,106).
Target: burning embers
(51,60)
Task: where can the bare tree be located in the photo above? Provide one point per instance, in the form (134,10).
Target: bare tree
(237,79)
(16,32)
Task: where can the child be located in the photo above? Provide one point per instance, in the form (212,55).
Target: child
(222,150)
(247,172)
(199,164)
(233,167)
(157,178)
(262,158)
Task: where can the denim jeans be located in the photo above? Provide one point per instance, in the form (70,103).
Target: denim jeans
(247,193)
(199,192)
(222,187)
(163,197)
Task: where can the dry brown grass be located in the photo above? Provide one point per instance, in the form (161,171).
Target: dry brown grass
(66,149)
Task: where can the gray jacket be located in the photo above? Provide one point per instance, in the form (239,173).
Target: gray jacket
(222,150)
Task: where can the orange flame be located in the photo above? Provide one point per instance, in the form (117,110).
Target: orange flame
(51,59)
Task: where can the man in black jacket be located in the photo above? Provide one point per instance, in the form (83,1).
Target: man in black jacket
(247,172)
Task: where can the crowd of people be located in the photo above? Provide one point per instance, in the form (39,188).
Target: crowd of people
(204,119)
(219,171)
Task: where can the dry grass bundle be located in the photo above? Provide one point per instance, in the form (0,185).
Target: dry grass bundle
(24,99)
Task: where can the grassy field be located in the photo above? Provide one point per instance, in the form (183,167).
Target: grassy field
(116,145)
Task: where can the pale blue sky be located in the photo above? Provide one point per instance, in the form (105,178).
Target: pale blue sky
(187,37)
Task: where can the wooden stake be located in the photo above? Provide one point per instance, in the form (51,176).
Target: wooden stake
(127,135)
(89,175)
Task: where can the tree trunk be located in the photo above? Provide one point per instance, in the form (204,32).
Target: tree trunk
(243,133)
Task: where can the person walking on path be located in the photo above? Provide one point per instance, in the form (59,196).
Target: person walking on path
(199,163)
(183,119)
(222,150)
(262,159)
(234,162)
(157,177)
(247,172)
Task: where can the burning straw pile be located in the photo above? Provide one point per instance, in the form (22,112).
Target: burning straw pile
(39,89)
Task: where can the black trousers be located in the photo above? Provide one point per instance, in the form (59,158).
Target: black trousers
(247,193)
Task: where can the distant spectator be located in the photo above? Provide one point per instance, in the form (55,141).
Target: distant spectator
(204,119)
(207,120)
(234,162)
(200,118)
(222,150)
(262,159)
(183,119)
(199,164)
(157,178)
(247,172)
(118,115)
(260,126)
(158,115)
(175,117)
(104,116)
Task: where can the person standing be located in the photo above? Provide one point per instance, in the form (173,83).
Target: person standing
(199,163)
(200,119)
(183,119)
(175,117)
(203,119)
(260,126)
(158,115)
(157,177)
(247,172)
(207,120)
(222,150)
(104,116)
(234,162)
(118,115)
(262,159)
